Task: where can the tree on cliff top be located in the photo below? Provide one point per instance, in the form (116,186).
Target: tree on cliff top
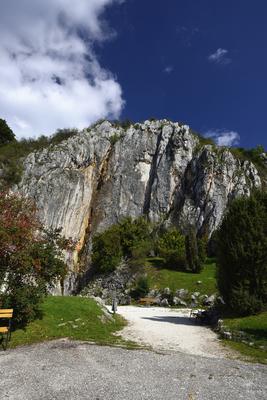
(6,134)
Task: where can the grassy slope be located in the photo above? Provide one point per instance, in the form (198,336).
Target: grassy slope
(255,327)
(160,278)
(80,319)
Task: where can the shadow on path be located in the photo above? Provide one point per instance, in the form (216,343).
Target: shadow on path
(175,320)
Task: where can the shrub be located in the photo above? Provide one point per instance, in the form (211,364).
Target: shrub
(141,289)
(30,258)
(242,255)
(134,233)
(6,134)
(171,246)
(192,256)
(130,239)
(202,244)
(114,139)
(107,251)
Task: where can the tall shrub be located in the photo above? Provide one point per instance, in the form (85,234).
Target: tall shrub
(192,256)
(30,258)
(242,255)
(171,246)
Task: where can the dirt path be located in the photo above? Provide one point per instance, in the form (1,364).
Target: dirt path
(166,329)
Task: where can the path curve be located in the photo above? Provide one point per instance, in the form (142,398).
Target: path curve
(166,329)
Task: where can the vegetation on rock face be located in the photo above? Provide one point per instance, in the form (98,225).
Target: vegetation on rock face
(30,258)
(242,255)
(12,153)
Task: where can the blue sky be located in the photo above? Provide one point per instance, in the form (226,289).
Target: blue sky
(161,59)
(202,62)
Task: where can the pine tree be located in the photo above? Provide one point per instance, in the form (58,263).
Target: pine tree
(242,255)
(192,256)
(6,134)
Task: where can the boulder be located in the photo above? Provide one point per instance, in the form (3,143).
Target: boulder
(182,293)
(164,303)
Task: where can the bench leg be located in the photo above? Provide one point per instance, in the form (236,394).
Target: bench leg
(4,341)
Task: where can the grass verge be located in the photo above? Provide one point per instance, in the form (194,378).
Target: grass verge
(160,278)
(73,317)
(254,332)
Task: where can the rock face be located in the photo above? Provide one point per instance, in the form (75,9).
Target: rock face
(158,168)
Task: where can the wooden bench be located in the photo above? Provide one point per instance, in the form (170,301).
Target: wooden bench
(148,301)
(5,331)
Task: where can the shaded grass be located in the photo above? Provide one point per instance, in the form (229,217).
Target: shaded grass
(159,277)
(73,317)
(255,330)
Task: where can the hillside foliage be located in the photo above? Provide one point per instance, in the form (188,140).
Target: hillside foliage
(12,153)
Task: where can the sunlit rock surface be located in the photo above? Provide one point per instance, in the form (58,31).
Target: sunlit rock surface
(158,168)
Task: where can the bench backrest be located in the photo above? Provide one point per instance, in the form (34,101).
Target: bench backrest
(6,313)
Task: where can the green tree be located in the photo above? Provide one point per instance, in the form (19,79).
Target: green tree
(242,255)
(30,258)
(134,233)
(141,288)
(6,134)
(192,256)
(107,250)
(171,246)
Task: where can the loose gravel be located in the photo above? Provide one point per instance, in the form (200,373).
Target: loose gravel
(165,329)
(67,370)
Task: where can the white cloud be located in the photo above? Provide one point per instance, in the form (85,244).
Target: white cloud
(50,76)
(224,137)
(219,57)
(168,69)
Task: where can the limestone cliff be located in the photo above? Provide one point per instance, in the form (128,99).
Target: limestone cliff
(158,168)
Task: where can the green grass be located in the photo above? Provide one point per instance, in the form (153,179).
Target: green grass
(255,329)
(159,278)
(73,317)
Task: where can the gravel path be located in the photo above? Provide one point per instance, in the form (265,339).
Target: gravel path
(66,370)
(166,329)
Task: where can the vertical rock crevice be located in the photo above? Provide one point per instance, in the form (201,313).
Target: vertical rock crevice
(152,176)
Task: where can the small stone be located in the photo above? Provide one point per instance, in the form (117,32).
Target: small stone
(179,302)
(199,282)
(181,293)
(227,335)
(164,303)
(167,291)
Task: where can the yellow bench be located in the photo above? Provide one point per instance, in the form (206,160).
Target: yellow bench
(148,301)
(5,331)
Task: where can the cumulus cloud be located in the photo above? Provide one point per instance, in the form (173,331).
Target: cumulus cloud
(224,137)
(220,57)
(50,76)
